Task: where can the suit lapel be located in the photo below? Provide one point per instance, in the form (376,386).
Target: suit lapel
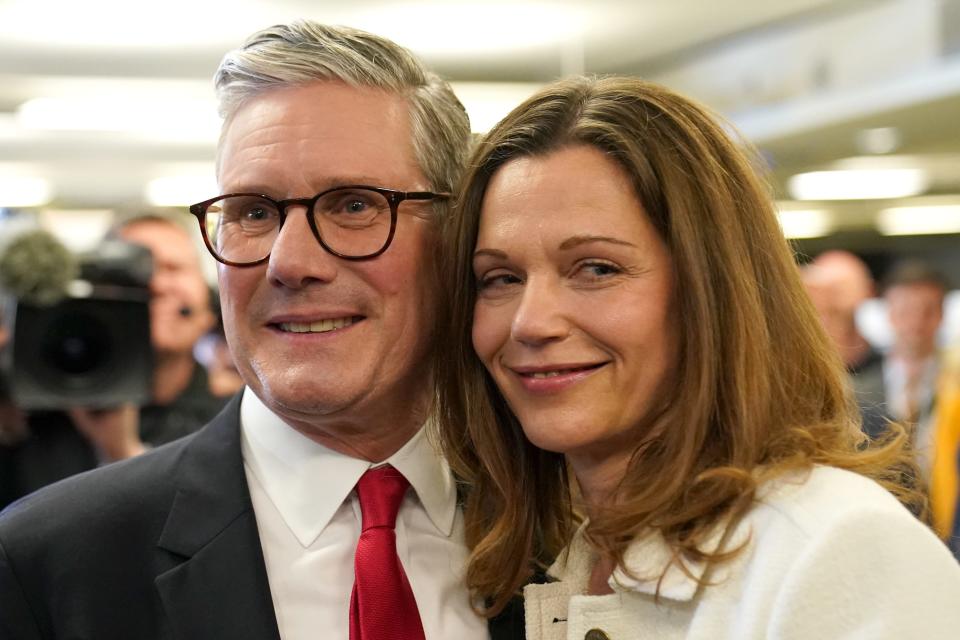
(220,590)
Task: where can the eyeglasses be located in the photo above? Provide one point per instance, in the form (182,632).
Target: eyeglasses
(355,222)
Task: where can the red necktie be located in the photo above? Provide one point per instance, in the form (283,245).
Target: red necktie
(382,606)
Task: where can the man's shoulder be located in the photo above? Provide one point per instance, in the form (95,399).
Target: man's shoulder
(120,492)
(134,492)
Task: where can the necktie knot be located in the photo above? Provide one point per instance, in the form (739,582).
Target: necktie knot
(381,491)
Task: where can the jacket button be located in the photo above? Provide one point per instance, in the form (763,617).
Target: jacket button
(596,634)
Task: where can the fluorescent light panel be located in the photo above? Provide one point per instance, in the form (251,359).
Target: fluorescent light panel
(107,24)
(919,220)
(858,184)
(473,27)
(21,191)
(170,118)
(805,223)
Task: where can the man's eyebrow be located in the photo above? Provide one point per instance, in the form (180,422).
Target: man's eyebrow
(327,183)
(576,241)
(338,181)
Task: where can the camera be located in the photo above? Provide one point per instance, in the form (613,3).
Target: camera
(92,347)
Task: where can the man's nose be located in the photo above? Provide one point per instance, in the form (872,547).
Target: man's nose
(541,315)
(296,258)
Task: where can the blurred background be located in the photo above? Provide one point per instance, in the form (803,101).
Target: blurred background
(106,106)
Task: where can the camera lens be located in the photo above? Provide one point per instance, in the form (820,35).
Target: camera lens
(77,345)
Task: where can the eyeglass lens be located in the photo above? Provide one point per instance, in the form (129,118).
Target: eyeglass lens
(351,222)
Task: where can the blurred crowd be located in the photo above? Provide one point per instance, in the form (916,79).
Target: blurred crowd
(914,379)
(192,376)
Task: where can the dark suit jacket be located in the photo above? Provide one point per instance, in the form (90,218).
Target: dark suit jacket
(161,546)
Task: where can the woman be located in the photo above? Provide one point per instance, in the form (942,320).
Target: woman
(629,341)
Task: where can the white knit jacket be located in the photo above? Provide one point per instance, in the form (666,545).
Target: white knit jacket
(829,554)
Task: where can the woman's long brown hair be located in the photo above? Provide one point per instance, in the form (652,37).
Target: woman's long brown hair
(757,390)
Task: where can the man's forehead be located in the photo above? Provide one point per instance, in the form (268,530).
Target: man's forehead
(909,295)
(334,127)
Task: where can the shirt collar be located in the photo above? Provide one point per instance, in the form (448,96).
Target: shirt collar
(291,467)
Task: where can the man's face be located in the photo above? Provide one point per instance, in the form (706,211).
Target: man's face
(329,344)
(916,311)
(179,297)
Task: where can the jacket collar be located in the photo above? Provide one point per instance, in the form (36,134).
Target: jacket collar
(211,525)
(647,559)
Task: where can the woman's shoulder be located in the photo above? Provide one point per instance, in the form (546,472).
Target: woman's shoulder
(813,497)
(826,508)
(828,536)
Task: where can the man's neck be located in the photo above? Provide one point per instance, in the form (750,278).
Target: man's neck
(371,433)
(171,376)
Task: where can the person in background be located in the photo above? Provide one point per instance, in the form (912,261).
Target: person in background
(638,394)
(838,282)
(180,314)
(314,505)
(914,294)
(57,444)
(922,382)
(945,473)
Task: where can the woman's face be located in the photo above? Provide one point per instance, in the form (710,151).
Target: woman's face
(574,316)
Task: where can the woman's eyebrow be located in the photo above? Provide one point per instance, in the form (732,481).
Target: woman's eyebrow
(576,241)
(494,253)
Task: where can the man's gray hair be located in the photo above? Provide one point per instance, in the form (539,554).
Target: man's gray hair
(304,51)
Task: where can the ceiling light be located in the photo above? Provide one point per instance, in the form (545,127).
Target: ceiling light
(107,24)
(805,223)
(21,191)
(170,119)
(919,220)
(472,27)
(858,184)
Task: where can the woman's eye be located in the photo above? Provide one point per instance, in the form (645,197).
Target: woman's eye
(496,280)
(600,269)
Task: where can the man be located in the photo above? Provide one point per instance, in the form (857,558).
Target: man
(838,282)
(914,294)
(922,384)
(180,314)
(252,527)
(54,445)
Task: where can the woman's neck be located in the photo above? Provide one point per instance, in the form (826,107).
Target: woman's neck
(598,477)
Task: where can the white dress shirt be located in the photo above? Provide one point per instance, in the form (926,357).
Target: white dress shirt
(309,520)
(905,392)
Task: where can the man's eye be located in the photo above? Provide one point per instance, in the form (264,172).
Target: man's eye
(356,206)
(257,213)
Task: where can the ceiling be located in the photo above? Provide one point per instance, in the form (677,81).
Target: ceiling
(802,79)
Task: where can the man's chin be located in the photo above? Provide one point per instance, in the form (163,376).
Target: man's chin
(303,403)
